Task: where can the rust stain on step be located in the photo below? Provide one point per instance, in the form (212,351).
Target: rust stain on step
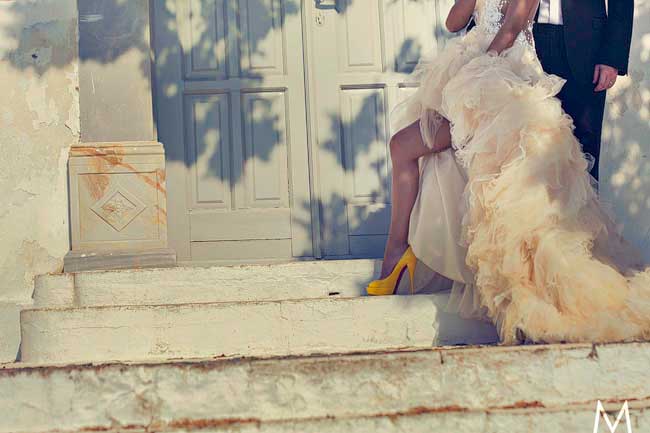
(111,428)
(523,405)
(421,410)
(200,424)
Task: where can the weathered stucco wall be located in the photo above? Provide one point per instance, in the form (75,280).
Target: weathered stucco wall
(115,71)
(39,120)
(625,164)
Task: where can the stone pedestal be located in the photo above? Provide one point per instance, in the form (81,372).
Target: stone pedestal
(118,212)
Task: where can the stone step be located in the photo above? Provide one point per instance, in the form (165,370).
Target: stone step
(493,389)
(572,419)
(182,285)
(269,328)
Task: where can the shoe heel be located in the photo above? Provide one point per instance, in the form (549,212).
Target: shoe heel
(411,269)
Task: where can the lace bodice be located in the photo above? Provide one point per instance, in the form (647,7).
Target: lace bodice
(490,14)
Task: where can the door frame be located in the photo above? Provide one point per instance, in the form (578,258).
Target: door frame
(312,127)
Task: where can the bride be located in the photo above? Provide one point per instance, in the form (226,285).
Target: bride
(530,247)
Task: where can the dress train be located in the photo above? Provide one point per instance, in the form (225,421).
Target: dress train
(511,214)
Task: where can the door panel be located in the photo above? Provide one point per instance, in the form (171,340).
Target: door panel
(204,34)
(359,36)
(208,132)
(241,226)
(263,47)
(230,102)
(357,82)
(364,144)
(265,127)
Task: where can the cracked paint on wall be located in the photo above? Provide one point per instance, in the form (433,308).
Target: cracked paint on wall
(39,121)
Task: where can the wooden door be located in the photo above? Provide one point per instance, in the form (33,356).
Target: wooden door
(231,113)
(361,51)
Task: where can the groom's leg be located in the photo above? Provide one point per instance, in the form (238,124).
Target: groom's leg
(586,107)
(578,98)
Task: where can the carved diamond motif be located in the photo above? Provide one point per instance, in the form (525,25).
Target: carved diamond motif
(118,207)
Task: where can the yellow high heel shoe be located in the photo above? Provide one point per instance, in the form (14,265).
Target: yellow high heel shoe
(388,286)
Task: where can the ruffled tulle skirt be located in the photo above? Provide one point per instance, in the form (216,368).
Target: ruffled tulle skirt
(511,214)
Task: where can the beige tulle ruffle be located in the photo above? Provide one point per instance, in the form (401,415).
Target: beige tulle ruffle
(546,255)
(540,251)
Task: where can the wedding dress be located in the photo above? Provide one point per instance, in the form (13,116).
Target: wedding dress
(510,214)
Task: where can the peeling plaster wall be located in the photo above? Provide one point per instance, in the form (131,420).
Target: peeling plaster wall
(625,164)
(39,120)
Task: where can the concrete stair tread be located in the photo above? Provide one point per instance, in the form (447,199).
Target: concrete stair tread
(296,280)
(527,388)
(24,366)
(73,308)
(329,325)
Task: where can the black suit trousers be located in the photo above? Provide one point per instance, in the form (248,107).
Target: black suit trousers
(579,100)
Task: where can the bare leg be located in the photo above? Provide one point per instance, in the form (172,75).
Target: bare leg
(406,148)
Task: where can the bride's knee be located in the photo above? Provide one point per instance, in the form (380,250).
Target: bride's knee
(401,145)
(407,145)
(396,150)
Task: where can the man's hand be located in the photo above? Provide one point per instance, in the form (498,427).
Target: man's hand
(604,77)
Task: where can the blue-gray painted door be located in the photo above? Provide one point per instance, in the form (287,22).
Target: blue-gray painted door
(362,52)
(230,102)
(274,117)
